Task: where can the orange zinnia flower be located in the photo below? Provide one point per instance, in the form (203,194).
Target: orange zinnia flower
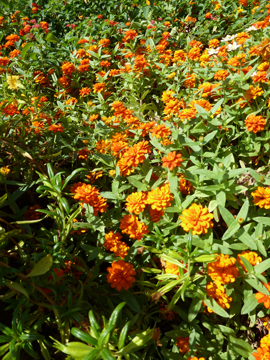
(182,344)
(255,123)
(85,91)
(223,270)
(68,68)
(172,160)
(185,186)
(56,128)
(197,219)
(136,202)
(160,198)
(261,197)
(131,225)
(160,131)
(251,256)
(88,194)
(262,353)
(99,87)
(218,292)
(120,275)
(83,154)
(113,243)
(262,298)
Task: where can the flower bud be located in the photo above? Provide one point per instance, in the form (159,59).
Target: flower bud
(220,165)
(201,139)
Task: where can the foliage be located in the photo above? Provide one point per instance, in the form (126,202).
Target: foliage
(134,177)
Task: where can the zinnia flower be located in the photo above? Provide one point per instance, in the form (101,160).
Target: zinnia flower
(261,197)
(223,270)
(218,292)
(113,243)
(262,298)
(131,225)
(197,219)
(13,82)
(136,202)
(88,194)
(160,198)
(172,160)
(255,123)
(120,275)
(251,256)
(182,344)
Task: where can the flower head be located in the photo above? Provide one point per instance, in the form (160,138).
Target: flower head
(13,82)
(218,292)
(88,194)
(197,219)
(262,298)
(131,225)
(160,198)
(136,202)
(255,123)
(261,197)
(121,275)
(172,160)
(223,270)
(182,344)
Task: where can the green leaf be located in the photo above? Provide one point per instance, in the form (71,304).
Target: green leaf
(263,266)
(213,305)
(256,284)
(25,49)
(123,335)
(106,355)
(105,335)
(81,335)
(240,346)
(254,174)
(52,38)
(231,231)
(138,341)
(114,317)
(226,215)
(221,199)
(15,286)
(243,211)
(3,199)
(42,266)
(262,220)
(72,175)
(194,308)
(74,349)
(247,265)
(131,300)
(94,324)
(249,305)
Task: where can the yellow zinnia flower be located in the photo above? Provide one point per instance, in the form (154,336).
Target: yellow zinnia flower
(13,82)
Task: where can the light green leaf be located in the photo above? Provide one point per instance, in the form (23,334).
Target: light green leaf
(42,266)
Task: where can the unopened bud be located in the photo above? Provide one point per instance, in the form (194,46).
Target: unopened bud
(201,139)
(262,179)
(221,166)
(240,220)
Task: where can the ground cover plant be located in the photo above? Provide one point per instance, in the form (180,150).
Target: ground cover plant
(134,180)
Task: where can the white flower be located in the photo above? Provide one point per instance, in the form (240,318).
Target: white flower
(212,51)
(228,38)
(233,46)
(251,28)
